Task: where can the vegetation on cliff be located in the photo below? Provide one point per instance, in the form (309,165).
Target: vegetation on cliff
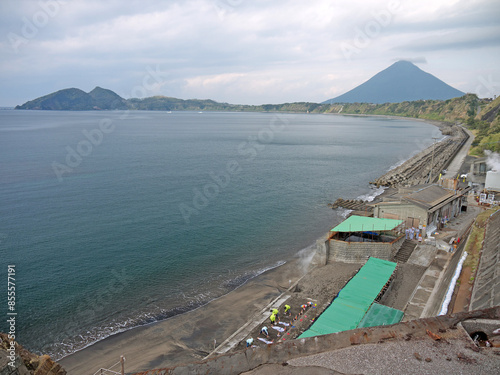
(67,99)
(481,116)
(451,110)
(486,128)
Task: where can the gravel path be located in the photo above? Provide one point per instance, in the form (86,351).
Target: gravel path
(411,357)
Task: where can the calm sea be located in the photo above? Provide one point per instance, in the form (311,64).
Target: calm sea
(117,219)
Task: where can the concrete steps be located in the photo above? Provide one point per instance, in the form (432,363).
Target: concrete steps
(405,251)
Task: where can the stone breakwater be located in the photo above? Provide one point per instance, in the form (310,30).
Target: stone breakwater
(416,170)
(351,204)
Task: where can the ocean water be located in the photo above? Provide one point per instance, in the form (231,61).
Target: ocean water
(119,219)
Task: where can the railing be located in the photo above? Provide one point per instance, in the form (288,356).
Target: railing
(108,371)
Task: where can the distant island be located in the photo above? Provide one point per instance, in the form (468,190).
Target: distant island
(402,81)
(74,99)
(391,92)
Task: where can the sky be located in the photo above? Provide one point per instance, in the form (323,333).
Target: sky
(241,51)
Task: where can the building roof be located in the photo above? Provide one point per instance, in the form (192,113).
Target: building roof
(362,224)
(354,300)
(429,196)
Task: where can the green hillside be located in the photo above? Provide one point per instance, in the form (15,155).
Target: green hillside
(479,115)
(107,99)
(486,128)
(451,110)
(74,99)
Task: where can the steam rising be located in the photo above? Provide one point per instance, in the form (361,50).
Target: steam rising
(493,160)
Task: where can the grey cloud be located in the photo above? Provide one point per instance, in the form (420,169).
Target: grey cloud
(454,41)
(253,42)
(415,60)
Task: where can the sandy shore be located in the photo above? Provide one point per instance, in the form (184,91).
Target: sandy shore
(190,337)
(183,338)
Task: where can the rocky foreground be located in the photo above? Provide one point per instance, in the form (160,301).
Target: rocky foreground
(24,362)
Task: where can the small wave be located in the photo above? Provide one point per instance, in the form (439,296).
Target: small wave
(241,280)
(374,193)
(29,128)
(81,341)
(344,212)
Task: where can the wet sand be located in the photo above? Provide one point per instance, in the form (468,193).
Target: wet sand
(190,337)
(187,337)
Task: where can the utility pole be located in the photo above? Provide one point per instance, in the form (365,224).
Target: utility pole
(432,159)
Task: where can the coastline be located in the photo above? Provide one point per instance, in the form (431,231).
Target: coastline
(186,337)
(190,336)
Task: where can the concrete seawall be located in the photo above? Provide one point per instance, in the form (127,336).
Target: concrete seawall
(417,170)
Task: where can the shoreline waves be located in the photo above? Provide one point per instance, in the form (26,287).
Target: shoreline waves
(147,320)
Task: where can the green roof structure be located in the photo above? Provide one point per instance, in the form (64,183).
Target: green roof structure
(366,224)
(380,315)
(353,301)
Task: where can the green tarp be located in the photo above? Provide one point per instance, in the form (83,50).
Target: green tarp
(366,224)
(354,300)
(380,315)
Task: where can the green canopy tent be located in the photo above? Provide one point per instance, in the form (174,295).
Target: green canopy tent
(353,301)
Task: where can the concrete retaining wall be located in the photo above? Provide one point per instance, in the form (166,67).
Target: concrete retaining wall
(442,288)
(486,290)
(359,252)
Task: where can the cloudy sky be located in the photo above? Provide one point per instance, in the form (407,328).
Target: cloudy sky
(241,51)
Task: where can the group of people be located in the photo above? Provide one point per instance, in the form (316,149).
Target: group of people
(277,324)
(275,314)
(413,233)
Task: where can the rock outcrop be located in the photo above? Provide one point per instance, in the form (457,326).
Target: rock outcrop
(25,362)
